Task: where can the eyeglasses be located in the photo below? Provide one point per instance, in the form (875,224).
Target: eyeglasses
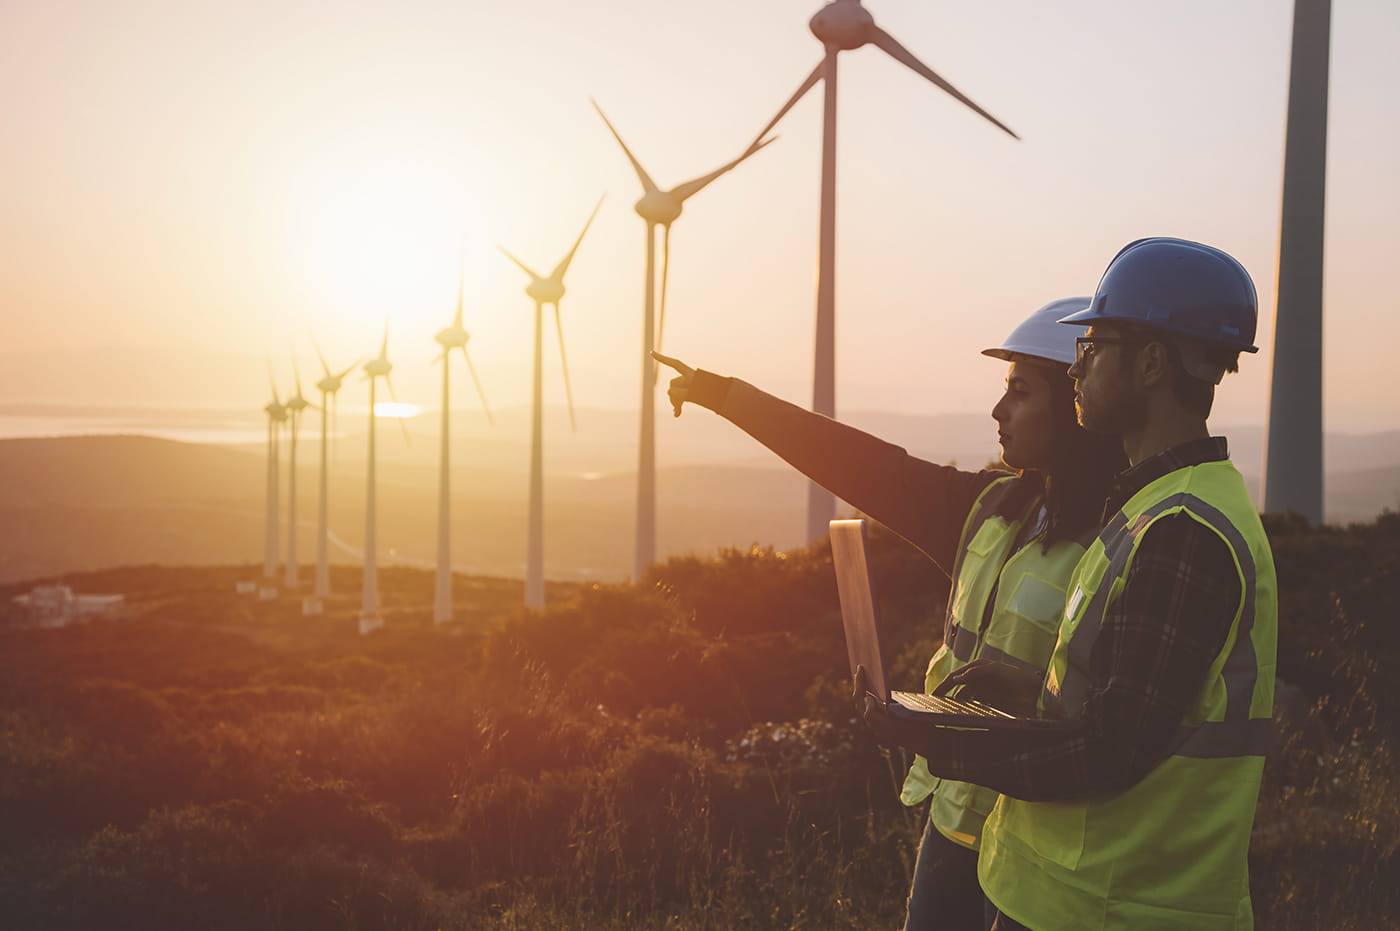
(1084,345)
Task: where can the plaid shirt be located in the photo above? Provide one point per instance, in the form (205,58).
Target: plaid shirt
(1149,661)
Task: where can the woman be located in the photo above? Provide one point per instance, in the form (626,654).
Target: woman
(1007,542)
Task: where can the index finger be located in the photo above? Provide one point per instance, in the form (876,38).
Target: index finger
(676,364)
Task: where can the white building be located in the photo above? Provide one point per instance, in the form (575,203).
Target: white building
(57,606)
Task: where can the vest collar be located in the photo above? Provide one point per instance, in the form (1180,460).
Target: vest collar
(1134,479)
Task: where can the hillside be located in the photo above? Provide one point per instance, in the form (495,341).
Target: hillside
(88,502)
(680,754)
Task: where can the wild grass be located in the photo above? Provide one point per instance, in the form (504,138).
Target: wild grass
(678,755)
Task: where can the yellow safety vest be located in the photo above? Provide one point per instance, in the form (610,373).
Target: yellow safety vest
(1004,606)
(1171,851)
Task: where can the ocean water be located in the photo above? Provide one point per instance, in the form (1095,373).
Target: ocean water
(187,427)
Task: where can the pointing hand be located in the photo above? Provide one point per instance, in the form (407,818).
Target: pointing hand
(679,390)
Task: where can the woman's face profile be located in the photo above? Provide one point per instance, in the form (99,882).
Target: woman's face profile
(1025,425)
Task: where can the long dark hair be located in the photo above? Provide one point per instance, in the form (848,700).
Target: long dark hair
(1081,470)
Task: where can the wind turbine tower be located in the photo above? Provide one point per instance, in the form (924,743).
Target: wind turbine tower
(544,290)
(276,414)
(841,26)
(658,208)
(450,338)
(295,405)
(328,386)
(376,368)
(1293,456)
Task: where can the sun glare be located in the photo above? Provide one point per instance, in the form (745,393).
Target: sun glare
(397,409)
(382,227)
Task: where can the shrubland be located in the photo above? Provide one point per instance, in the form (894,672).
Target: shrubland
(678,754)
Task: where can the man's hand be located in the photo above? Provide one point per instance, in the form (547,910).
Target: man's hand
(1010,688)
(679,390)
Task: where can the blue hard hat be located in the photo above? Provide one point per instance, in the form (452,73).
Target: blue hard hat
(1177,286)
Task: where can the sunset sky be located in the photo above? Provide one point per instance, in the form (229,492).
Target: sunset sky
(190,187)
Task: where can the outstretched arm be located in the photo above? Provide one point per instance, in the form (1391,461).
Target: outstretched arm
(921,501)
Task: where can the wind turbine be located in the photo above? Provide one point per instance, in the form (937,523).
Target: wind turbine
(544,290)
(276,414)
(378,367)
(1293,454)
(841,26)
(657,208)
(450,338)
(328,386)
(295,405)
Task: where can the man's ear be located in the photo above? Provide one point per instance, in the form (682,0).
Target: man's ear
(1154,365)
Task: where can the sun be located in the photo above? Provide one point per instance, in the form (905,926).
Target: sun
(380,227)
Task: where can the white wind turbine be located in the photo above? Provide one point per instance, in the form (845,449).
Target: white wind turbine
(841,26)
(328,386)
(276,415)
(450,338)
(544,290)
(295,405)
(657,208)
(376,368)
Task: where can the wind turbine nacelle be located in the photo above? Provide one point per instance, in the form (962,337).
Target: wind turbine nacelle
(658,207)
(297,405)
(545,291)
(452,337)
(844,23)
(378,368)
(328,385)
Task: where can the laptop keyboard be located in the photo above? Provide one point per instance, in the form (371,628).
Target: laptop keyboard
(920,702)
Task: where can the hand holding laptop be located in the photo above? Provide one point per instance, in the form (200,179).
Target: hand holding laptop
(1000,684)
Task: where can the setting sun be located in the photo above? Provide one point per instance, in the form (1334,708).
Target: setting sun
(381,225)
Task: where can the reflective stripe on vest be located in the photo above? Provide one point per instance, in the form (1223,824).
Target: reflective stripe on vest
(1170,851)
(1020,597)
(1120,540)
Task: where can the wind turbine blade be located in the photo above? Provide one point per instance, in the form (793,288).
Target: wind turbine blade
(647,184)
(807,85)
(690,188)
(665,270)
(477,381)
(523,267)
(568,391)
(899,53)
(461,286)
(320,355)
(403,425)
(563,266)
(384,347)
(350,368)
(272,383)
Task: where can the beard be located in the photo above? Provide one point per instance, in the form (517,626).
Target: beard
(1114,413)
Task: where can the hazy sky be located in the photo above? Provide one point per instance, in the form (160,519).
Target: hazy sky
(221,181)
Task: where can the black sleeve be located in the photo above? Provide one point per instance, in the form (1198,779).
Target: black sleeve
(925,503)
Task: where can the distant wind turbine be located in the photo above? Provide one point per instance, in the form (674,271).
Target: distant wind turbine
(841,26)
(544,290)
(657,208)
(450,338)
(295,405)
(328,386)
(276,415)
(376,368)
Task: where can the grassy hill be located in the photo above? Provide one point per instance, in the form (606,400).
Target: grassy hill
(679,754)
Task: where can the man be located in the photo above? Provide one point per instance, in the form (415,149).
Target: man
(1138,815)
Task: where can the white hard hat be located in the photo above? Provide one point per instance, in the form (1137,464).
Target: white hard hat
(1042,335)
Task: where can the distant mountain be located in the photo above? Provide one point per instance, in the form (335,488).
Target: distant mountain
(91,502)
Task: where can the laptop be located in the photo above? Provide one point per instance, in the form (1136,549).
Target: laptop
(857,590)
